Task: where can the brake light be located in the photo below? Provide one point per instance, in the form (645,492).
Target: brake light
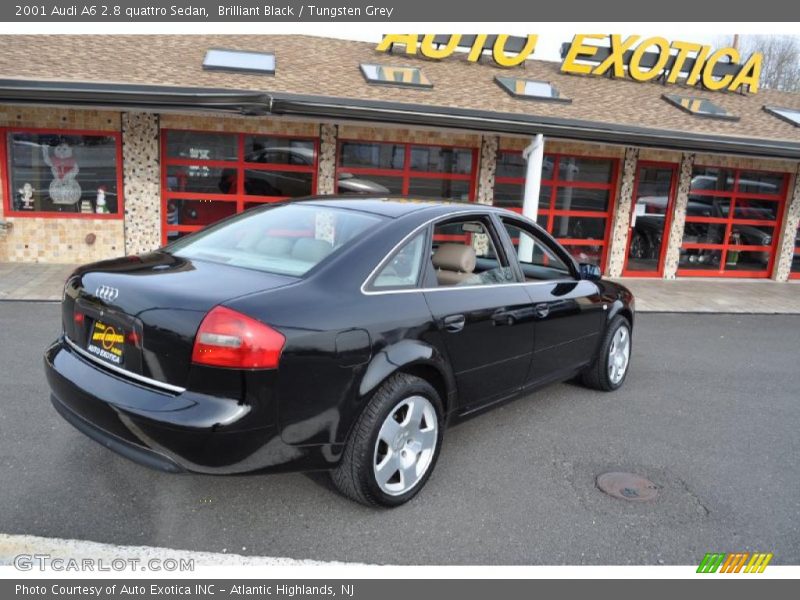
(227,338)
(79,317)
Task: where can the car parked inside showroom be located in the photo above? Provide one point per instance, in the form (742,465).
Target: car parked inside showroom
(332,333)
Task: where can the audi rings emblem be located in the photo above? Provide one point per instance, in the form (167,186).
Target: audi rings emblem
(106,293)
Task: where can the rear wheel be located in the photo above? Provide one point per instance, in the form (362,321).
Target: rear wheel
(394,445)
(608,371)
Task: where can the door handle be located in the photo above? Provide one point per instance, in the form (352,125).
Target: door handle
(541,310)
(454,323)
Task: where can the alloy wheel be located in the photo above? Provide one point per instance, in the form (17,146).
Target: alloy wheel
(405,446)
(619,354)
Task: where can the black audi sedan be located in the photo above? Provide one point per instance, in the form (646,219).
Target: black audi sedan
(333,333)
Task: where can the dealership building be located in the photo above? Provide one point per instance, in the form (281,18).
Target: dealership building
(113,145)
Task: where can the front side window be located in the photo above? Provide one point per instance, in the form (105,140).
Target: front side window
(538,262)
(464,254)
(290,239)
(64,173)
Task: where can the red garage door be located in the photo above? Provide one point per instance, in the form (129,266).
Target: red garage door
(733,221)
(207,176)
(575,202)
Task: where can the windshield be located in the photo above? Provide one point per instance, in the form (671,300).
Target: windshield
(290,239)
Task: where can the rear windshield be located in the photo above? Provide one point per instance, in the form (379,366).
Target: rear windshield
(289,239)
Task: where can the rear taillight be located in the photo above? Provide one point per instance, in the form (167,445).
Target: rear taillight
(227,338)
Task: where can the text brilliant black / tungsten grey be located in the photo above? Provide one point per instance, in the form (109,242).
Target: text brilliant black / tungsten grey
(304,10)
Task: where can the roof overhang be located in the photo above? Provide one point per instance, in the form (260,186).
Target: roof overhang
(139,97)
(156,98)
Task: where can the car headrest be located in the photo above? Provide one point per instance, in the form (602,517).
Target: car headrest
(311,250)
(454,257)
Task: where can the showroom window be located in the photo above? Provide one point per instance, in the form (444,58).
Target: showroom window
(415,170)
(207,176)
(732,222)
(575,200)
(63,174)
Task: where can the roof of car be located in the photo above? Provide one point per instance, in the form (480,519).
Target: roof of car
(395,206)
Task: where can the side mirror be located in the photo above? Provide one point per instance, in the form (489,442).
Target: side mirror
(589,271)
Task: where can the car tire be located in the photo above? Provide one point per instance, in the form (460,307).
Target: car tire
(615,349)
(380,442)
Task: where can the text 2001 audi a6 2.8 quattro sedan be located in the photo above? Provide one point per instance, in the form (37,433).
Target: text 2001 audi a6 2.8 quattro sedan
(335,333)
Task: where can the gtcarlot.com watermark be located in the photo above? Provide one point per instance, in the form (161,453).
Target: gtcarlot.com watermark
(48,562)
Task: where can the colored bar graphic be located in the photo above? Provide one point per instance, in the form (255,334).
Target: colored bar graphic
(710,563)
(733,562)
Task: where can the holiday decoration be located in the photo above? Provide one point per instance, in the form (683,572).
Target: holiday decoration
(100,204)
(26,197)
(63,188)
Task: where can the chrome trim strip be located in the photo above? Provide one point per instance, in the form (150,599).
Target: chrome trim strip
(135,376)
(414,231)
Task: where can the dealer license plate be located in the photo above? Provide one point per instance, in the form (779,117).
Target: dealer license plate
(107,342)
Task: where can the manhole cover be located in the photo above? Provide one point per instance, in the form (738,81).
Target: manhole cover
(627,486)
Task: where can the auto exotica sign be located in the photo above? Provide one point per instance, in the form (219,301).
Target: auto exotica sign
(633,57)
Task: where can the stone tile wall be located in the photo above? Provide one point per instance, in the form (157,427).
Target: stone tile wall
(142,181)
(622,215)
(326,166)
(486,170)
(675,238)
(791,219)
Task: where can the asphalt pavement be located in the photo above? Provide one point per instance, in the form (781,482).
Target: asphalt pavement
(710,413)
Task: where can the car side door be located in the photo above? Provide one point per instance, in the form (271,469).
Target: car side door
(481,311)
(569,312)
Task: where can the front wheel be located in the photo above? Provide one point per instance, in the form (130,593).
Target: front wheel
(394,445)
(608,371)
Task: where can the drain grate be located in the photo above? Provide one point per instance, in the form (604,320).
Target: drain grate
(627,486)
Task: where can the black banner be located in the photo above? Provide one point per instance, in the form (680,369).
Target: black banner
(135,11)
(383,589)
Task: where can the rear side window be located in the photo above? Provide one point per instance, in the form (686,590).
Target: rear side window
(403,269)
(289,239)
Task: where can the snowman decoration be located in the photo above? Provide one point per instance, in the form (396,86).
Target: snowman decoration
(63,188)
(26,196)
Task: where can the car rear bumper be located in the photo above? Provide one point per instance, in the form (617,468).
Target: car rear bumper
(169,431)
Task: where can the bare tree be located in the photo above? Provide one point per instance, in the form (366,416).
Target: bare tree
(780,69)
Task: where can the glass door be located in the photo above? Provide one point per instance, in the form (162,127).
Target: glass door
(653,198)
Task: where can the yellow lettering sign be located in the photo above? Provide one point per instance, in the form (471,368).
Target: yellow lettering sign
(429,49)
(750,74)
(502,59)
(641,60)
(655,57)
(580,51)
(684,49)
(409,40)
(617,57)
(634,68)
(711,82)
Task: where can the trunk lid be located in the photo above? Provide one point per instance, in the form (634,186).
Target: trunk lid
(141,313)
